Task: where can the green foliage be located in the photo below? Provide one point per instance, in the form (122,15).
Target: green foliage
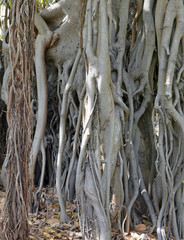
(5,1)
(42,4)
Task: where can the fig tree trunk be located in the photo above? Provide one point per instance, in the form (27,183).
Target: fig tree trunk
(21,45)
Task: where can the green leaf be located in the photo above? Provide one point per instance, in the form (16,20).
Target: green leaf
(1,2)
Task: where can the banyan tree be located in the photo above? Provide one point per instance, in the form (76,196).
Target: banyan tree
(108,106)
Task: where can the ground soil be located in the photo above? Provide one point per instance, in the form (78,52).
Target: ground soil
(46,225)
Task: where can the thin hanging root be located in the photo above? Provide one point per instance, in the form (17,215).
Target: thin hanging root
(159,19)
(130,149)
(4,90)
(62,135)
(38,193)
(174,47)
(136,19)
(92,192)
(109,13)
(123,15)
(75,140)
(118,100)
(43,166)
(146,198)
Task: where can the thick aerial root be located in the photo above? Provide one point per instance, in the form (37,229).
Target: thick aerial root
(44,40)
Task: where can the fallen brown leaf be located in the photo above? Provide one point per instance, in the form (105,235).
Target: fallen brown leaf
(76,224)
(140,227)
(53,221)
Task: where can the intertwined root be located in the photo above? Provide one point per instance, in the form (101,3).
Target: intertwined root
(132,91)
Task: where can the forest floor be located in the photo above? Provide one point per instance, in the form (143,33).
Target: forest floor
(46,225)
